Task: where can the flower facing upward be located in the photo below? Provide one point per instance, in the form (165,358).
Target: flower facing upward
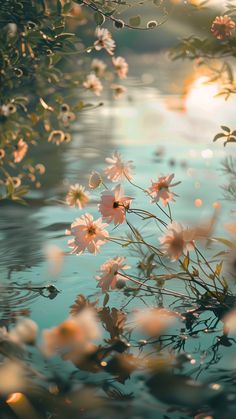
(94,84)
(176,241)
(113,204)
(104,40)
(20,151)
(117,169)
(77,197)
(88,234)
(222,27)
(159,190)
(121,67)
(110,273)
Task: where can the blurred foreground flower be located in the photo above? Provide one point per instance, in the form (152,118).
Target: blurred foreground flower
(159,190)
(95,180)
(113,205)
(20,151)
(110,273)
(12,377)
(230,322)
(77,196)
(93,83)
(88,234)
(25,332)
(73,337)
(153,321)
(121,67)
(118,169)
(104,40)
(222,27)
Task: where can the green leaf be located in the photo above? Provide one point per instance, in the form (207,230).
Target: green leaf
(67,7)
(226,242)
(135,21)
(106,299)
(186,262)
(217,136)
(59,7)
(227,129)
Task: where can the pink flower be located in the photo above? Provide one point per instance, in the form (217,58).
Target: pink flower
(104,40)
(73,337)
(160,190)
(110,273)
(88,234)
(94,84)
(20,151)
(95,180)
(98,66)
(121,67)
(113,204)
(118,90)
(154,321)
(77,196)
(177,241)
(117,169)
(222,26)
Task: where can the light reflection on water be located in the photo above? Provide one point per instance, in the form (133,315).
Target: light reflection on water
(161,133)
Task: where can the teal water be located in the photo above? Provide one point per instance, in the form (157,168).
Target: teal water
(162,133)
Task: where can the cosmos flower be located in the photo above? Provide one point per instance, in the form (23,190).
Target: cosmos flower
(95,180)
(98,66)
(121,67)
(25,332)
(88,234)
(94,84)
(104,40)
(118,90)
(113,205)
(110,273)
(159,190)
(177,241)
(222,27)
(117,169)
(73,337)
(153,321)
(77,196)
(20,151)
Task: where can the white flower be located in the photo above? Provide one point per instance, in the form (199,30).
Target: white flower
(93,83)
(104,40)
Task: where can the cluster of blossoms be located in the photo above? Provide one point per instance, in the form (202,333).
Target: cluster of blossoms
(90,234)
(98,67)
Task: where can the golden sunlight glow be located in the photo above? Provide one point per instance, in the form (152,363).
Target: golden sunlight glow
(14,398)
(202,95)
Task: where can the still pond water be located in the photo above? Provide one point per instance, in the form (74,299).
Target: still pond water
(162,131)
